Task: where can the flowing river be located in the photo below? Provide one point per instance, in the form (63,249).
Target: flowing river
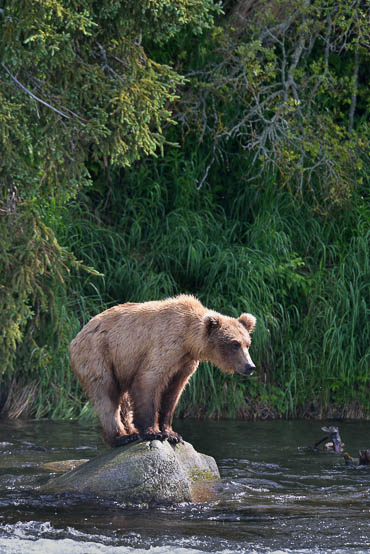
(274,497)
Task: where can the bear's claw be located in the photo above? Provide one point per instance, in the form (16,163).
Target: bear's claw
(153,436)
(125,439)
(175,438)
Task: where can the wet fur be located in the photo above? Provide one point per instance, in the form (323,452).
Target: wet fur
(134,361)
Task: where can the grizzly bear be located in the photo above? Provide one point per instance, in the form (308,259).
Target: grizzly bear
(134,360)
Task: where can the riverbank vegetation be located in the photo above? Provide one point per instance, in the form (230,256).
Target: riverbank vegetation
(220,154)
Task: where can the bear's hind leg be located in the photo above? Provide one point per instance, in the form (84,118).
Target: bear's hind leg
(108,408)
(145,401)
(126,418)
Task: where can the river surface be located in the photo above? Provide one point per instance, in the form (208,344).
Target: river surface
(273,497)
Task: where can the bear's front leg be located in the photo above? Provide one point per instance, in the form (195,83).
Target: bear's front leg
(171,435)
(170,398)
(152,434)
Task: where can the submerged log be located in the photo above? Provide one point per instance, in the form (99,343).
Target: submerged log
(143,473)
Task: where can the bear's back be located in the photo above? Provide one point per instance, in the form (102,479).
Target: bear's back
(126,333)
(157,318)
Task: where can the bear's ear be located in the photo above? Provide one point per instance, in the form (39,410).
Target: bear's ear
(249,321)
(211,322)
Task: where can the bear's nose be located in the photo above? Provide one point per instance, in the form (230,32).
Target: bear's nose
(249,368)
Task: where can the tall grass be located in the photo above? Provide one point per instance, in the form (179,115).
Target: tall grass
(238,248)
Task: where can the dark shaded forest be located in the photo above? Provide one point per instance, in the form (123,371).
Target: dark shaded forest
(188,146)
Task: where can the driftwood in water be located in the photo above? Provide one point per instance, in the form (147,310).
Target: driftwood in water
(335,443)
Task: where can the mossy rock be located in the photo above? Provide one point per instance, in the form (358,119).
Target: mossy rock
(143,473)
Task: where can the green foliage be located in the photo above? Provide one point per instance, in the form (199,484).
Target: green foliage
(33,301)
(77,92)
(76,84)
(296,72)
(160,20)
(264,208)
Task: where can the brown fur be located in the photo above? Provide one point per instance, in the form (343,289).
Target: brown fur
(134,361)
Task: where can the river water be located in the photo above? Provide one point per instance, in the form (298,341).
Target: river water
(273,497)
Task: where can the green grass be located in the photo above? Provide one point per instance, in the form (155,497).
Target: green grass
(304,277)
(240,243)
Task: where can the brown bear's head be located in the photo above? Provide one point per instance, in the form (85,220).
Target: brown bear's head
(228,341)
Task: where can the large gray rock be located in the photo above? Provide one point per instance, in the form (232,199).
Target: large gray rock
(142,473)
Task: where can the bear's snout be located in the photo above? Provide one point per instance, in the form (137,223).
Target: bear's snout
(248,369)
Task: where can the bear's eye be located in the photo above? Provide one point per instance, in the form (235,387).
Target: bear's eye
(235,345)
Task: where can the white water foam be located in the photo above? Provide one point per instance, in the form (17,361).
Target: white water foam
(64,546)
(34,537)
